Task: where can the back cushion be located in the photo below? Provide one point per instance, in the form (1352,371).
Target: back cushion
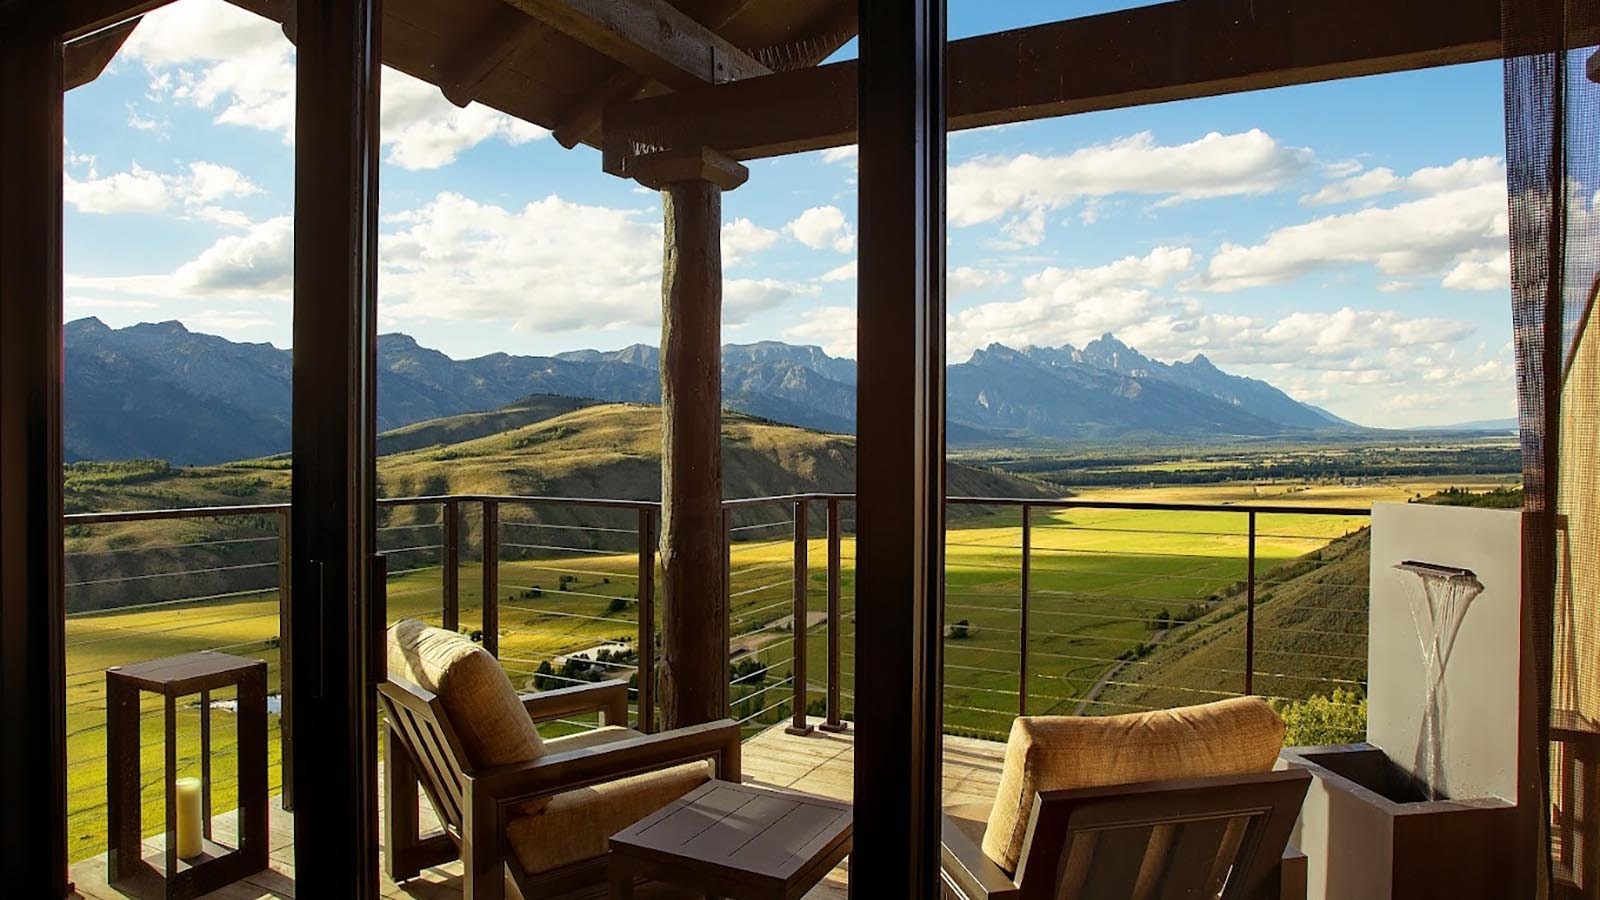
(483,707)
(1055,753)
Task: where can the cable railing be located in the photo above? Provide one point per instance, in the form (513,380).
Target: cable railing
(1052,606)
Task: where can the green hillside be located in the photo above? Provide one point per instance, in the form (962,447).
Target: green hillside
(607,451)
(1310,637)
(455,429)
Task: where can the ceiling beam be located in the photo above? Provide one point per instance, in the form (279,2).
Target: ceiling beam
(833,30)
(84,59)
(472,63)
(82,17)
(1172,51)
(651,37)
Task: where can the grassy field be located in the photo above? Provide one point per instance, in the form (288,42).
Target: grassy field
(1129,610)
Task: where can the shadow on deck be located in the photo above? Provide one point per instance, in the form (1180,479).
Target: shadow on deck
(818,763)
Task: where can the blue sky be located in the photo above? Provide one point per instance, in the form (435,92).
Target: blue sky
(1344,241)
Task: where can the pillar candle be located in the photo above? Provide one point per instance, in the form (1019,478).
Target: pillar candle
(188,791)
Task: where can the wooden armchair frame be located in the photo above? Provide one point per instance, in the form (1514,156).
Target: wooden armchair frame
(1157,840)
(422,750)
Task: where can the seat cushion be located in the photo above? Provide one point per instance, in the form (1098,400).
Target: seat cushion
(1051,753)
(577,825)
(478,698)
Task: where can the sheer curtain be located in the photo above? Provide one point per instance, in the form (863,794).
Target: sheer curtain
(1552,138)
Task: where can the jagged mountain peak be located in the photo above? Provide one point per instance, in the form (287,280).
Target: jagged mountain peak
(160,390)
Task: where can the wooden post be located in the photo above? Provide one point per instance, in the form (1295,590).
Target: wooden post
(799,724)
(900,456)
(694,621)
(835,620)
(337,591)
(33,757)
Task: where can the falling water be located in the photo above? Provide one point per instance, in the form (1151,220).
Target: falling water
(1437,613)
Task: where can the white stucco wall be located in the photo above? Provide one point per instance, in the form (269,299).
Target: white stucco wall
(1479,696)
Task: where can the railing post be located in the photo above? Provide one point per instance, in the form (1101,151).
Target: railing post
(834,723)
(1022,643)
(452,565)
(1250,611)
(285,659)
(727,591)
(647,621)
(797,670)
(491,576)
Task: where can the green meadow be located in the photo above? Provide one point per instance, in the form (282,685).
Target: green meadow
(1110,590)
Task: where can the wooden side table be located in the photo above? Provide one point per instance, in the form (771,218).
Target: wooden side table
(734,840)
(171,678)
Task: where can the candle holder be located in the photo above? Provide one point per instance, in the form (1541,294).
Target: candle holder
(216,864)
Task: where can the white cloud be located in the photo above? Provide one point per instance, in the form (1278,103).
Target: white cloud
(987,189)
(426,131)
(259,262)
(742,239)
(1462,173)
(744,297)
(1492,274)
(552,265)
(1071,305)
(846,272)
(833,328)
(822,227)
(1418,237)
(139,190)
(966,278)
(847,155)
(218,57)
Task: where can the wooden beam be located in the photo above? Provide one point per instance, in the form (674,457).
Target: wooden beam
(471,65)
(33,755)
(900,492)
(1171,51)
(84,59)
(652,37)
(336,598)
(82,17)
(582,122)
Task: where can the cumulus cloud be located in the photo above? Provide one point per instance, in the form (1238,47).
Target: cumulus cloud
(846,272)
(1462,173)
(842,155)
(823,227)
(1071,305)
(140,190)
(744,297)
(833,328)
(1024,188)
(1418,237)
(742,239)
(256,264)
(963,279)
(215,56)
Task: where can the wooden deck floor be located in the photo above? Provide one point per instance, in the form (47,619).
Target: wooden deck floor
(818,763)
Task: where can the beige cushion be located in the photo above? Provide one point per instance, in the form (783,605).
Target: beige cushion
(478,698)
(578,825)
(1050,753)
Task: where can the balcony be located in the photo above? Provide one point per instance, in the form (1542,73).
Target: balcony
(1053,606)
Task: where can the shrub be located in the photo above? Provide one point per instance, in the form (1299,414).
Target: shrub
(617,604)
(1322,720)
(959,631)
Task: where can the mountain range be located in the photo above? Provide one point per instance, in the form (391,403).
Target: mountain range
(159,390)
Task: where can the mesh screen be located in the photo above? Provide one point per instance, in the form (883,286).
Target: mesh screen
(1552,133)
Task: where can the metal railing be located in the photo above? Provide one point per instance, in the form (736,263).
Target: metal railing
(1048,607)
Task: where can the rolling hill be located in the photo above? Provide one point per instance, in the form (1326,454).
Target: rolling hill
(606,450)
(162,391)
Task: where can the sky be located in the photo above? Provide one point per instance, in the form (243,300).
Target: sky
(1344,241)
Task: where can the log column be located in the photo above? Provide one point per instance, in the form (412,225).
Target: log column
(33,764)
(694,654)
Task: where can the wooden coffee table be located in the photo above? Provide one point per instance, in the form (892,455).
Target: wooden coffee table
(734,840)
